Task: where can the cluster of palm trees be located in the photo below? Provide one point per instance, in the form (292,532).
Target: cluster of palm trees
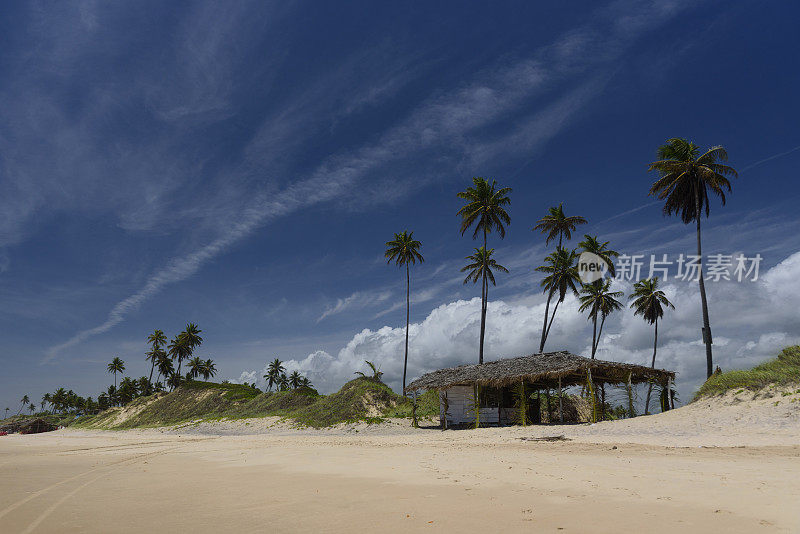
(180,349)
(687,180)
(276,377)
(163,357)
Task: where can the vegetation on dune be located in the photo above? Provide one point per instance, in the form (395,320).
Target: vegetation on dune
(365,398)
(780,371)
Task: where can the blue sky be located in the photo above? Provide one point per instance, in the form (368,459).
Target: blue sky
(240,165)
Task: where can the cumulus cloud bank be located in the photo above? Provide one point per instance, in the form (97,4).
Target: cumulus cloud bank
(751,322)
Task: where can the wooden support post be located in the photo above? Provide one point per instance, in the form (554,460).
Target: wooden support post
(602,401)
(414,422)
(560,406)
(590,387)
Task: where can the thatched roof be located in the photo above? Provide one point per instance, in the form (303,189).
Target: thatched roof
(543,369)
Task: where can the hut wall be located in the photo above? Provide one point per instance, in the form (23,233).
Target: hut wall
(459,401)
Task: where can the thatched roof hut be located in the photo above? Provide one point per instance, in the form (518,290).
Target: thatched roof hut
(501,392)
(540,369)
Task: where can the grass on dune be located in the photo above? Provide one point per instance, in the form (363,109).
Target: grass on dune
(361,399)
(783,370)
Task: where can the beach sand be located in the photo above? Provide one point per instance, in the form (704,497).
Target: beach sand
(673,472)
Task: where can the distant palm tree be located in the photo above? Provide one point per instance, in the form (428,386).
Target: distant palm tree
(593,245)
(274,372)
(46,398)
(295,379)
(23,403)
(598,299)
(195,367)
(649,302)
(209,369)
(157,340)
(562,277)
(7,408)
(486,209)
(687,179)
(404,250)
(165,366)
(32,408)
(283,382)
(179,349)
(305,382)
(116,366)
(143,386)
(557,224)
(481,268)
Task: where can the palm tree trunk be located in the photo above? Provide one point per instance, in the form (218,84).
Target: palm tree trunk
(599,335)
(152,368)
(703,300)
(484,299)
(594,335)
(552,318)
(652,366)
(408,320)
(115,380)
(544,326)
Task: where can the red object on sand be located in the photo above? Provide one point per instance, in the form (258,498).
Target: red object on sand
(3,433)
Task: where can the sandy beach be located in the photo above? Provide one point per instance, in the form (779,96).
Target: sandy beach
(662,473)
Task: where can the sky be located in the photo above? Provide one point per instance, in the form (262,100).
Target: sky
(241,165)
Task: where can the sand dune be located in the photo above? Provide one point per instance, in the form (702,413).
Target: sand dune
(730,467)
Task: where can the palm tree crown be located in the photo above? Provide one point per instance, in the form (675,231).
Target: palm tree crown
(687,176)
(485,205)
(403,249)
(481,265)
(648,300)
(562,273)
(557,224)
(593,245)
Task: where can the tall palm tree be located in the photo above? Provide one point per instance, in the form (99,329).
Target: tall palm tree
(649,302)
(486,209)
(596,298)
(295,379)
(562,278)
(687,180)
(557,224)
(481,267)
(46,399)
(116,366)
(23,403)
(157,340)
(274,372)
(404,250)
(600,249)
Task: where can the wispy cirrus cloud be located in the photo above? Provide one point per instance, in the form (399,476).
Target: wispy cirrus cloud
(445,128)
